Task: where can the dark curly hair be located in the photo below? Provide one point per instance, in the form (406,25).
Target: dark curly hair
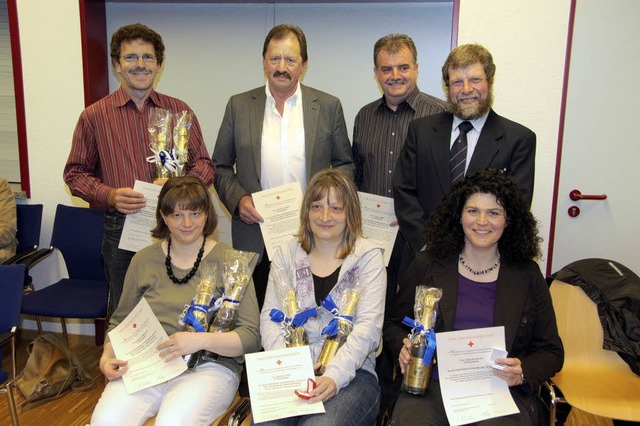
(519,241)
(135,32)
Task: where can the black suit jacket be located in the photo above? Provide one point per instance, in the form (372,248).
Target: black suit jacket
(523,306)
(421,177)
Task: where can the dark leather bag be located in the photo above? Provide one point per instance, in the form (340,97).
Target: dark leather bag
(50,370)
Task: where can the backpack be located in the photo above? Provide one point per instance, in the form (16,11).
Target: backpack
(51,369)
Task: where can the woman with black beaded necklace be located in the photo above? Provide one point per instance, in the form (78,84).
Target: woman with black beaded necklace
(481,246)
(167,275)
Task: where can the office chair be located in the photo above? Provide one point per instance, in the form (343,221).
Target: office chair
(11,280)
(29,221)
(29,218)
(593,379)
(77,233)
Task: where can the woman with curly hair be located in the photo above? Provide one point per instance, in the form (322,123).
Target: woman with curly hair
(481,245)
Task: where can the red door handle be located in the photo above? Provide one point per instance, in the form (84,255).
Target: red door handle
(576,195)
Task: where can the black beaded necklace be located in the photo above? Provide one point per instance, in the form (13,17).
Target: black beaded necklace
(193,270)
(482,272)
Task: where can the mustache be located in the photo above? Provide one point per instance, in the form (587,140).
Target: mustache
(282,74)
(139,69)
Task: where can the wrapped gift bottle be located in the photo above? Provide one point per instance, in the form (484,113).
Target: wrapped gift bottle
(418,373)
(342,325)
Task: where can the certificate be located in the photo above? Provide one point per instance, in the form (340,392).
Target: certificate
(280,208)
(136,233)
(135,340)
(273,377)
(377,215)
(470,390)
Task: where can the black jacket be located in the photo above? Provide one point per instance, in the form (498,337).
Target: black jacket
(615,289)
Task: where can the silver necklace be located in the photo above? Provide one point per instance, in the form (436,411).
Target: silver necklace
(482,272)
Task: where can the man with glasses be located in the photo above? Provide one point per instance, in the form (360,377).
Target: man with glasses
(273,135)
(110,144)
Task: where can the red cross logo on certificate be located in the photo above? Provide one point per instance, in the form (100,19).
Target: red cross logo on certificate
(278,362)
(470,344)
(135,325)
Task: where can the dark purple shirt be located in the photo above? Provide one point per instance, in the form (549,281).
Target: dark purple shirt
(474,308)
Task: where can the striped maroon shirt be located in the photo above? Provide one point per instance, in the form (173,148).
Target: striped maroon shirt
(378,135)
(111,144)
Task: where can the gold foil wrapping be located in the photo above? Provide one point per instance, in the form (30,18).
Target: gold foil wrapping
(417,375)
(160,137)
(181,135)
(285,292)
(297,335)
(204,293)
(173,143)
(331,345)
(238,268)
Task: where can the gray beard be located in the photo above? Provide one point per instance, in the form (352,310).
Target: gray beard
(483,108)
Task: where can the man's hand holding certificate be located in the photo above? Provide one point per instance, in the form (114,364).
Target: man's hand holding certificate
(135,340)
(280,208)
(377,216)
(136,233)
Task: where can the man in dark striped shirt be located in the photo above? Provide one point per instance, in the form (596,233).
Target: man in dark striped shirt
(380,129)
(379,132)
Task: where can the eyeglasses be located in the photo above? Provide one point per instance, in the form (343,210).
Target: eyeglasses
(134,58)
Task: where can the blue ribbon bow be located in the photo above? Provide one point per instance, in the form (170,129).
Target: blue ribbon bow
(332,328)
(190,318)
(330,305)
(298,320)
(429,334)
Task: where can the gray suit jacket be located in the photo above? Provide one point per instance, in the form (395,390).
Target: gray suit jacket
(239,144)
(421,178)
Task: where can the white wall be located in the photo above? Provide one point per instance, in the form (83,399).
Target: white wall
(527,39)
(54,98)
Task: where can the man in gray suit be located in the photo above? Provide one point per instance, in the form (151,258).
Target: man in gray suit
(423,173)
(276,134)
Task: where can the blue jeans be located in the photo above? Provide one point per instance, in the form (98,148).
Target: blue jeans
(356,404)
(116,261)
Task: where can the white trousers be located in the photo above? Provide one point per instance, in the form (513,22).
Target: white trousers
(196,397)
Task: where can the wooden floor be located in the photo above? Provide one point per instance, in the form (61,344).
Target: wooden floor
(74,409)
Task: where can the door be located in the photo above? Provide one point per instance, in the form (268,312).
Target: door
(601,147)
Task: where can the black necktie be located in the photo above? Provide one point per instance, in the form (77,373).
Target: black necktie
(458,153)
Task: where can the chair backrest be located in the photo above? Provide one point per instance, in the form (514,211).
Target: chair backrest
(592,379)
(579,325)
(11,282)
(29,217)
(77,233)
